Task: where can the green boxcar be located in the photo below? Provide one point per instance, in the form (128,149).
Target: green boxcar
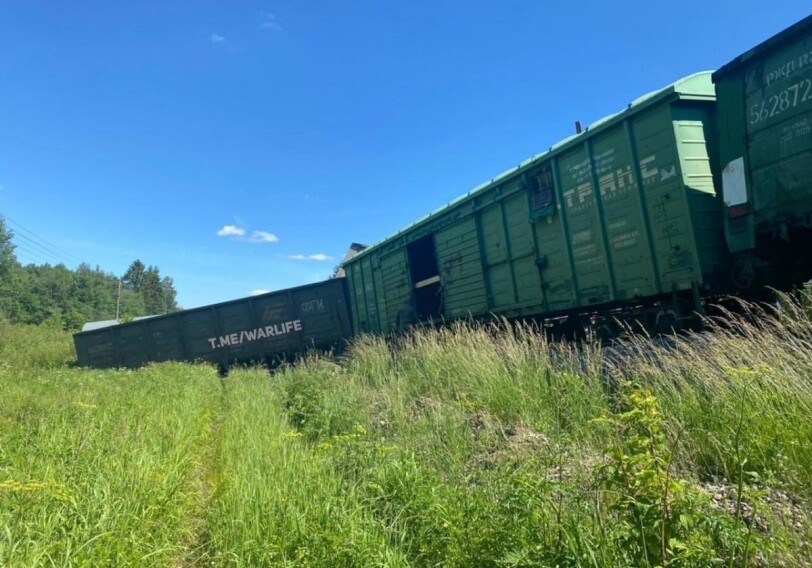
(622,213)
(264,327)
(765,128)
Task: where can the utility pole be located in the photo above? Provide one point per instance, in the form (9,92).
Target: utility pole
(118,298)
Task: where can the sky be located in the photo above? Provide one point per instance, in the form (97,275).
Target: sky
(244,145)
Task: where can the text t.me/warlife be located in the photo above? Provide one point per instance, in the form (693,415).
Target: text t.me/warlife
(265,332)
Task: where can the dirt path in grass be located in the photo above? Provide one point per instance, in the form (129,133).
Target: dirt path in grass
(205,478)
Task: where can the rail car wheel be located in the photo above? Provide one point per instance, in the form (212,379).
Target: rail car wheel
(743,273)
(573,328)
(665,321)
(604,331)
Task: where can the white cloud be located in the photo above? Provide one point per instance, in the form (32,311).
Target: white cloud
(259,291)
(319,257)
(263,237)
(217,38)
(269,23)
(231,231)
(240,234)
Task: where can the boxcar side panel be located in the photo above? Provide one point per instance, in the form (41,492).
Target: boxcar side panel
(199,326)
(778,103)
(96,348)
(460,264)
(323,315)
(625,226)
(164,339)
(585,233)
(765,133)
(694,130)
(739,230)
(356,294)
(496,260)
(666,203)
(372,307)
(553,256)
(396,287)
(380,296)
(132,345)
(522,252)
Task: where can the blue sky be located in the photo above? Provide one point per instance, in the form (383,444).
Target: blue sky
(143,129)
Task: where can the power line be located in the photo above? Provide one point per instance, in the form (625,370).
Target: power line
(32,256)
(40,248)
(27,259)
(55,249)
(40,242)
(30,252)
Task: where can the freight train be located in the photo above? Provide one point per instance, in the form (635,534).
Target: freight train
(698,190)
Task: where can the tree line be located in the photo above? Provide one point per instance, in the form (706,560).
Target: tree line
(36,294)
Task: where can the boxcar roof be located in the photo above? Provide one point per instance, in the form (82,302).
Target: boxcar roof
(693,87)
(781,38)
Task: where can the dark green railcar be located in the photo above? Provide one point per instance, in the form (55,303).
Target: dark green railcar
(623,214)
(264,327)
(765,132)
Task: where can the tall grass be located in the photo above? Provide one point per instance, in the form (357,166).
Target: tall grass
(99,468)
(472,445)
(34,347)
(742,391)
(96,468)
(501,448)
(278,501)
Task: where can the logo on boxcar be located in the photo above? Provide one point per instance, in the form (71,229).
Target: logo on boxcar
(266,332)
(313,306)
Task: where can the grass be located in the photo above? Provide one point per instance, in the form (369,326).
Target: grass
(467,446)
(97,468)
(277,501)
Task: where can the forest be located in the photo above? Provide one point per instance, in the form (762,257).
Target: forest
(68,298)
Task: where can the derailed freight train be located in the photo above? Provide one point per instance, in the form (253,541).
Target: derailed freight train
(270,326)
(699,189)
(624,214)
